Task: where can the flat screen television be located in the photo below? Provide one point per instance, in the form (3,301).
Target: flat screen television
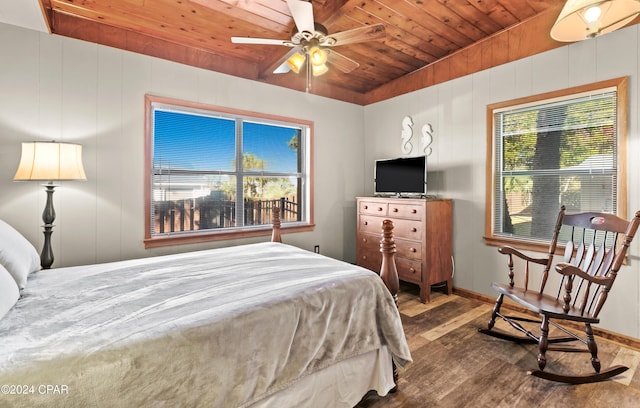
(406,176)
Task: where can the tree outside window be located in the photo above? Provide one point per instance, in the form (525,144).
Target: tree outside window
(560,148)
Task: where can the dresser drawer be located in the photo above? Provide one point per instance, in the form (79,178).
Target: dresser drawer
(409,270)
(411,211)
(369,257)
(372,225)
(407,229)
(373,208)
(409,249)
(369,241)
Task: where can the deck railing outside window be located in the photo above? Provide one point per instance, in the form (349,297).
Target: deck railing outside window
(204,213)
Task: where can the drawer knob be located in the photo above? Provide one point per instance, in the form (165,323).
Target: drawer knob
(412,270)
(364,257)
(366,222)
(395,210)
(366,207)
(413,211)
(379,208)
(414,229)
(364,240)
(412,249)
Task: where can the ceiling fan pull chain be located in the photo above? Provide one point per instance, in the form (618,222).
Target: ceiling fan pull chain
(308,64)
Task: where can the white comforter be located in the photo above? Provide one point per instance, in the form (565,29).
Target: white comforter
(217,328)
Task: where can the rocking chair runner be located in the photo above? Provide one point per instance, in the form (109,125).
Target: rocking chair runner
(595,250)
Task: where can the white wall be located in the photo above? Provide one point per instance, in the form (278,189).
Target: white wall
(57,88)
(53,87)
(457,111)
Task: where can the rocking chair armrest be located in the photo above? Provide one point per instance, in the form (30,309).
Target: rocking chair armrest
(507,250)
(568,270)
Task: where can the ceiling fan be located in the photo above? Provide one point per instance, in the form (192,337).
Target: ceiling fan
(312,43)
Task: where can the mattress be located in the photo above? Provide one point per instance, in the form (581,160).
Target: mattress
(227,327)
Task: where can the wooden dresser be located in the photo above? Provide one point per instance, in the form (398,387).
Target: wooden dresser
(422,233)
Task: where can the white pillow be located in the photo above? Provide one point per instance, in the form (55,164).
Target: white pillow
(17,254)
(9,292)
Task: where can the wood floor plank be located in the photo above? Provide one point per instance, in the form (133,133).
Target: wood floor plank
(456,366)
(456,322)
(415,307)
(629,358)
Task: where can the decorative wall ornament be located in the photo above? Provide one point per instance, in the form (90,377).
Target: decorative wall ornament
(427,139)
(407,134)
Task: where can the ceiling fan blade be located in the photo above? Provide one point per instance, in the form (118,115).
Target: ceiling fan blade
(344,64)
(249,40)
(366,33)
(283,67)
(302,13)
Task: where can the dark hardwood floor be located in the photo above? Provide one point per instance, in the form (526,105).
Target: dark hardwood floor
(455,366)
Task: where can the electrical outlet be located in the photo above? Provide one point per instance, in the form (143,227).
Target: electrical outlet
(316,249)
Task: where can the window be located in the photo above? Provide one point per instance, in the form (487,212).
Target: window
(215,173)
(561,148)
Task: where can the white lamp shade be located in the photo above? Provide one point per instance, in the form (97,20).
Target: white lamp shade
(573,25)
(50,161)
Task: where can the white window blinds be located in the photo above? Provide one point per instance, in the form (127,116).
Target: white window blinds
(552,153)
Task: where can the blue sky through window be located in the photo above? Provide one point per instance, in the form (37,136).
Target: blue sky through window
(270,143)
(190,141)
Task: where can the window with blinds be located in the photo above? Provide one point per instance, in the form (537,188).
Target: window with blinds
(560,149)
(217,170)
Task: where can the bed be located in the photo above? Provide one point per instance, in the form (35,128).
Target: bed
(259,325)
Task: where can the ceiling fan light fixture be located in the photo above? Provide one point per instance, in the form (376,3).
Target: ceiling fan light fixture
(312,46)
(317,56)
(296,61)
(582,19)
(320,69)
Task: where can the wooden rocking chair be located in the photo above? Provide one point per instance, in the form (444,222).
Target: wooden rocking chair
(596,245)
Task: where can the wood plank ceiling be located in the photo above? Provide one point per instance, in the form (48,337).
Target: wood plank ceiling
(426,42)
